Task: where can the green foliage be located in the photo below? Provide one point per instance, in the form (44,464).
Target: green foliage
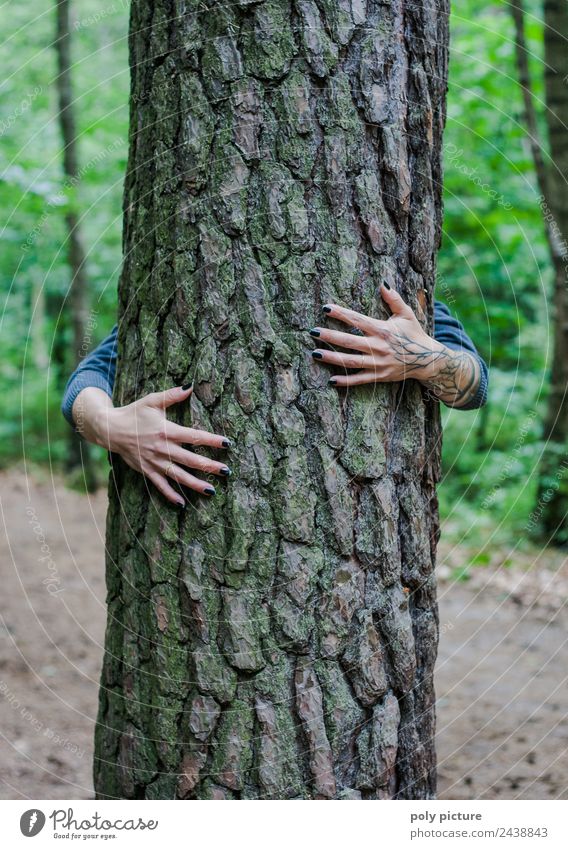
(493,267)
(34,277)
(494,275)
(489,481)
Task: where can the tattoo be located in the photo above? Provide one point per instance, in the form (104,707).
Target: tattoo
(455,374)
(458,379)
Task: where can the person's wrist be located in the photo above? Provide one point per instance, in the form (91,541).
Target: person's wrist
(433,363)
(102,425)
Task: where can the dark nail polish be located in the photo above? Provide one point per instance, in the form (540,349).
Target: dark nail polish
(187,386)
(327,309)
(317,355)
(227,443)
(181,505)
(225,470)
(332,381)
(209,490)
(386,285)
(314,332)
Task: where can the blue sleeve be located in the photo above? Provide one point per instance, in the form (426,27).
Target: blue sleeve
(450,332)
(97,369)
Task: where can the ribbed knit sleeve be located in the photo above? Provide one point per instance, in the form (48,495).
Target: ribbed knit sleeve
(97,369)
(450,332)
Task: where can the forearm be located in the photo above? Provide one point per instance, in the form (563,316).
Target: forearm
(90,413)
(400,349)
(452,376)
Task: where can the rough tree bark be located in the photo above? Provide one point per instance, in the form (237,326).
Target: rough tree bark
(278,640)
(551,511)
(553,490)
(78,451)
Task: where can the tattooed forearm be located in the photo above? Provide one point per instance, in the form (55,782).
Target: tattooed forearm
(397,349)
(452,376)
(457,380)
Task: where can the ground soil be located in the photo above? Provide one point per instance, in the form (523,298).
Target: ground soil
(501,674)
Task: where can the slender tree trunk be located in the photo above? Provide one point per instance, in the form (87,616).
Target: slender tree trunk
(553,490)
(276,641)
(551,512)
(40,355)
(78,456)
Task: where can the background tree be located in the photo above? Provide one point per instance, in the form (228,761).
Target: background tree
(77,301)
(551,168)
(278,640)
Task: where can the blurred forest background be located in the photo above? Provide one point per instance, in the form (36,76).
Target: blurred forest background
(494,268)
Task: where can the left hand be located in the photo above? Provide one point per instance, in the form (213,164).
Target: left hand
(391,350)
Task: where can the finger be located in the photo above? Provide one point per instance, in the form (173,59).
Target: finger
(192,436)
(190,481)
(367,376)
(345,360)
(395,302)
(163,400)
(177,454)
(368,344)
(167,491)
(355,319)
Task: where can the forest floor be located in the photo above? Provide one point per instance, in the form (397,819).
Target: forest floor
(501,678)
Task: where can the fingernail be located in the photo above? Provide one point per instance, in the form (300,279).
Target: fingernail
(225,470)
(332,381)
(386,285)
(314,332)
(227,443)
(317,355)
(209,490)
(181,504)
(326,309)
(187,386)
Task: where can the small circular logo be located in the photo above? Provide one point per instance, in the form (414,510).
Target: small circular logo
(32,822)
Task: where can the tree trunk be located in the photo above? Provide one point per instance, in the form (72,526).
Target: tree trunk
(553,483)
(78,451)
(37,322)
(276,641)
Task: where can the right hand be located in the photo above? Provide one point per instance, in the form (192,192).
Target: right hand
(152,445)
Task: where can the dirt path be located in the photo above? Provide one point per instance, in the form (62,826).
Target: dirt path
(501,677)
(502,698)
